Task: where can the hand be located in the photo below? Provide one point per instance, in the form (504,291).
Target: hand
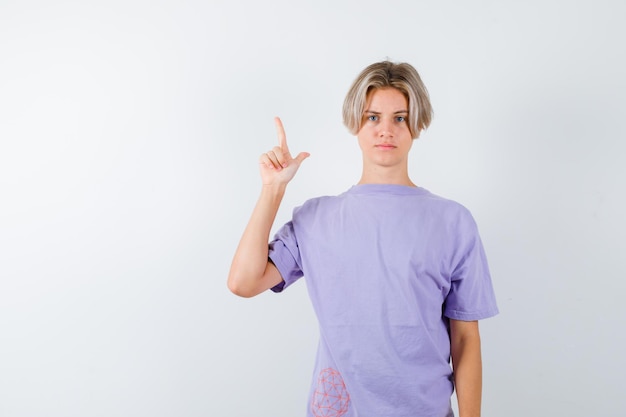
(277,166)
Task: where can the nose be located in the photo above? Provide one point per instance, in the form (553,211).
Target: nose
(385,128)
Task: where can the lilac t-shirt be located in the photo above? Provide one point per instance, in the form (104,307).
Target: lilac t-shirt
(386,267)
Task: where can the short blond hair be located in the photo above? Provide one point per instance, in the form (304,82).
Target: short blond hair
(386,74)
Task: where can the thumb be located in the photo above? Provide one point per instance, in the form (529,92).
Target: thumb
(302,156)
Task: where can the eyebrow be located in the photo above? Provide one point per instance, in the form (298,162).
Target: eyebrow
(377,112)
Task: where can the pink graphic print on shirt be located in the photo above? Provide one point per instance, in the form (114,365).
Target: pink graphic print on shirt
(330,398)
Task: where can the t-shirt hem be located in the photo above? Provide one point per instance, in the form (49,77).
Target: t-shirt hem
(477,315)
(275,259)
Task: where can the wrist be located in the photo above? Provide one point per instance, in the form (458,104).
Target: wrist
(273,191)
(278,188)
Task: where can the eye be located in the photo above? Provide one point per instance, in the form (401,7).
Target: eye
(372,118)
(400,119)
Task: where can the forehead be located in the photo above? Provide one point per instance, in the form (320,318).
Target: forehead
(388,98)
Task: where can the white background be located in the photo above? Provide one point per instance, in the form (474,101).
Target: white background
(129,138)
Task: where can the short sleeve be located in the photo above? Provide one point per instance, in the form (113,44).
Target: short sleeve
(285,255)
(471,295)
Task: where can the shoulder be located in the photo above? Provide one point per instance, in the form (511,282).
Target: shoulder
(447,205)
(316,204)
(450,214)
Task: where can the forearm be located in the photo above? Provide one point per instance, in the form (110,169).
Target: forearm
(251,256)
(467,364)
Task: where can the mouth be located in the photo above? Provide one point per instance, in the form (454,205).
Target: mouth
(385,146)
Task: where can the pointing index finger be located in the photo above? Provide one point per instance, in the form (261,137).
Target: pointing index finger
(282,138)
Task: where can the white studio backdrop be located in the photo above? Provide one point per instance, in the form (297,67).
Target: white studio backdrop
(129,138)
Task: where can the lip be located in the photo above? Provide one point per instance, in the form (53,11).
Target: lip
(385,146)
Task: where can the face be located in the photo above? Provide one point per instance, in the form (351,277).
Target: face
(384,136)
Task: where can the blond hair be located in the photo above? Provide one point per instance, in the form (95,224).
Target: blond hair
(386,74)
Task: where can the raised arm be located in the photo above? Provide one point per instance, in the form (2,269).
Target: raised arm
(251,272)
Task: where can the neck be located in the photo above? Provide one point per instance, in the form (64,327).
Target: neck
(386,176)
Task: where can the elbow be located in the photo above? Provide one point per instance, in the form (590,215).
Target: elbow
(235,286)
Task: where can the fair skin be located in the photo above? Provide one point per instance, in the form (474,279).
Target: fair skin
(251,273)
(467,365)
(385,141)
